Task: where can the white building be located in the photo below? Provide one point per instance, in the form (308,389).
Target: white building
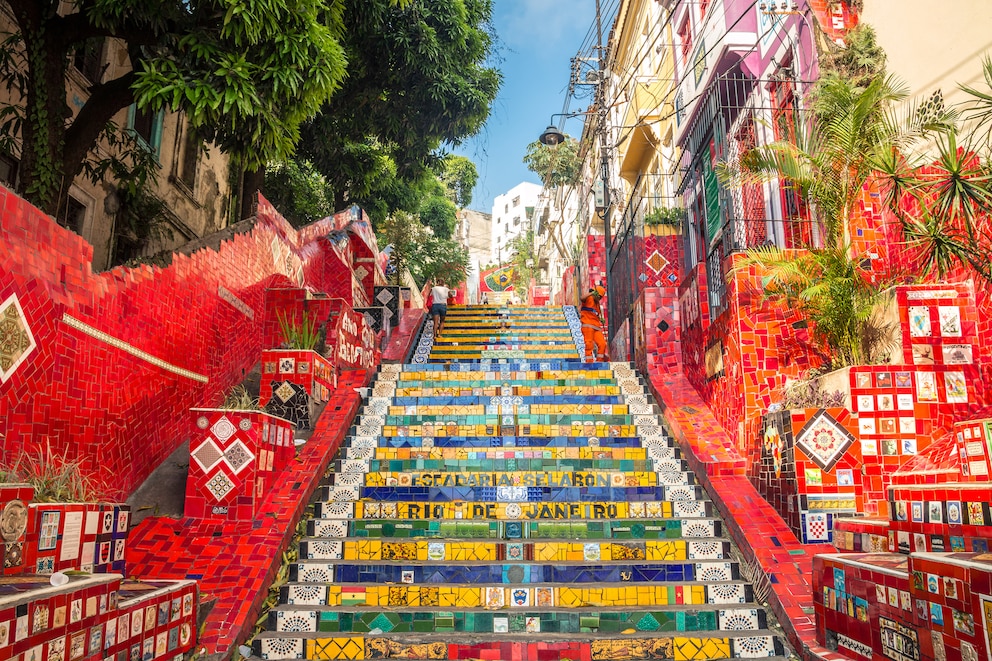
(511,217)
(474,231)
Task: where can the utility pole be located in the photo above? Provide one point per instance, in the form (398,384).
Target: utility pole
(602,114)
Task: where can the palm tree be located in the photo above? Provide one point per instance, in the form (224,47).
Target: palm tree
(837,149)
(838,146)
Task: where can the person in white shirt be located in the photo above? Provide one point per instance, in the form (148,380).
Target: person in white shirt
(439,304)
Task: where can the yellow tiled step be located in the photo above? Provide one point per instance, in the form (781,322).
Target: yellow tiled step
(482,409)
(463,454)
(443,430)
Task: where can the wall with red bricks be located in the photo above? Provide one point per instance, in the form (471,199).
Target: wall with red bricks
(104,366)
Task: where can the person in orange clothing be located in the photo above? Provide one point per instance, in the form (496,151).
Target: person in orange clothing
(592,324)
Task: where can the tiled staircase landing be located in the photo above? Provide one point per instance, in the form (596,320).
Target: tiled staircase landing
(502,500)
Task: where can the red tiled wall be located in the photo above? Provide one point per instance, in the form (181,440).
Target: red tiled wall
(117,413)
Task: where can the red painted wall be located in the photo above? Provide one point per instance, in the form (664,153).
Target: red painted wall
(119,413)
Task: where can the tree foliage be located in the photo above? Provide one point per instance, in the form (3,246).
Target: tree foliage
(426,256)
(301,194)
(521,250)
(417,78)
(459,176)
(560,165)
(245,73)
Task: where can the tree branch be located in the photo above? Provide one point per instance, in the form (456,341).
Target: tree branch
(105,101)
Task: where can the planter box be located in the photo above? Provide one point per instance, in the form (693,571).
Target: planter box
(661,230)
(294,383)
(234,458)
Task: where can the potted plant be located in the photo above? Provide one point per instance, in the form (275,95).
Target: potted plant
(296,377)
(663,221)
(236,451)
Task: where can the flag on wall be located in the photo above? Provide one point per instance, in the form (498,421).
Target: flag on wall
(496,279)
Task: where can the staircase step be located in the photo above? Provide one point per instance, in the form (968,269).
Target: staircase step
(508,494)
(554,647)
(319,587)
(691,529)
(649,509)
(569,453)
(536,550)
(307,619)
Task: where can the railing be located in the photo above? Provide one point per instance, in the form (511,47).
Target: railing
(626,256)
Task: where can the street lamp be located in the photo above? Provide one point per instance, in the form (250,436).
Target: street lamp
(552,137)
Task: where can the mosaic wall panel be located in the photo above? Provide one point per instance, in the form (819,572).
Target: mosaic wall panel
(234,458)
(147,343)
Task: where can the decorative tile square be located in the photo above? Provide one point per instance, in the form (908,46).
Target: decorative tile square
(16,340)
(824,440)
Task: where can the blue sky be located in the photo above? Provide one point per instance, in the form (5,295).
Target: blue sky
(538,38)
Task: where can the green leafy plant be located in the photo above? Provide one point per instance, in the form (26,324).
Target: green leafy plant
(303,335)
(55,477)
(669,216)
(834,293)
(807,394)
(239,399)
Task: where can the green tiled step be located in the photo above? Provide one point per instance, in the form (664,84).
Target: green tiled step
(517,530)
(353,620)
(573,510)
(452,549)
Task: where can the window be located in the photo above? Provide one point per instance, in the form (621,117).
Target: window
(146,125)
(8,170)
(516,221)
(516,201)
(703,6)
(685,37)
(88,59)
(71,215)
(190,157)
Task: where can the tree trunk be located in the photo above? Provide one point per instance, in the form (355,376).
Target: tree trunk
(251,183)
(45,111)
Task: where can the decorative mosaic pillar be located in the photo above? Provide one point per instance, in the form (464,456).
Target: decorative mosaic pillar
(294,384)
(234,456)
(575,326)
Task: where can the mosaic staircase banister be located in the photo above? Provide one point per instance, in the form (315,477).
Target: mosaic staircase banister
(500,499)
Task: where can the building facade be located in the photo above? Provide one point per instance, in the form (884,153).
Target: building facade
(511,217)
(193,181)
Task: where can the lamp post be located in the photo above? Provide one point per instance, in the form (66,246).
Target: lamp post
(552,137)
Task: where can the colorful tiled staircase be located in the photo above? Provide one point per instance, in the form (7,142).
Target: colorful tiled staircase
(498,499)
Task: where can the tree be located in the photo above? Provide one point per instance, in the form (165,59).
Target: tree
(838,147)
(559,165)
(522,258)
(417,78)
(299,192)
(426,256)
(834,293)
(246,73)
(459,177)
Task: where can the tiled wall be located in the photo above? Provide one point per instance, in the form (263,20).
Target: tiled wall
(105,366)
(96,615)
(926,606)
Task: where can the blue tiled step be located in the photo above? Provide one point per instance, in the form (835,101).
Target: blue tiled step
(511,365)
(530,400)
(497,494)
(517,530)
(660,619)
(657,450)
(340,572)
(534,549)
(500,465)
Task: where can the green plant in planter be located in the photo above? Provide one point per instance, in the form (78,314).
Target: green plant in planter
(670,216)
(239,399)
(303,336)
(55,477)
